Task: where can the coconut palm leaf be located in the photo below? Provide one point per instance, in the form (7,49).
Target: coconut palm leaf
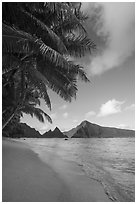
(64,11)
(32,100)
(15,41)
(37,112)
(79,72)
(45,33)
(72,73)
(9,63)
(40,82)
(59,80)
(78,46)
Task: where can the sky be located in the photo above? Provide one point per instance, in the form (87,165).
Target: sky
(109,98)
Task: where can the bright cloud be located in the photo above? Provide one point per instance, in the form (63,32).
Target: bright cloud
(65,115)
(63,107)
(110,107)
(131,107)
(115,23)
(90,113)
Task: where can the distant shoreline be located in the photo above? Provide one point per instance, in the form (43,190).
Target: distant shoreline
(84,130)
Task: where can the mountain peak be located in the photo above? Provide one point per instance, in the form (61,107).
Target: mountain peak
(57,129)
(56,133)
(89,130)
(85,122)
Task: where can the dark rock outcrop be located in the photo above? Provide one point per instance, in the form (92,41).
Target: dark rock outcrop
(56,133)
(90,130)
(30,132)
(27,132)
(84,130)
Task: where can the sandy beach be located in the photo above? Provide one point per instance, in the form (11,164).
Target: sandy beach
(44,177)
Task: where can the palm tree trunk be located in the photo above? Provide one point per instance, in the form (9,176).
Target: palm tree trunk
(9,119)
(20,103)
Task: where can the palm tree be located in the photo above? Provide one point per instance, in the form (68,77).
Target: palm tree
(39,39)
(28,104)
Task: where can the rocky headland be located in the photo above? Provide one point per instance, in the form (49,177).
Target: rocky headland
(84,130)
(90,130)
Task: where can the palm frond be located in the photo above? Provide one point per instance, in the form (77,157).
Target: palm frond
(79,71)
(78,46)
(32,96)
(15,41)
(33,101)
(59,80)
(46,34)
(64,10)
(10,12)
(9,63)
(70,74)
(37,112)
(40,82)
(65,16)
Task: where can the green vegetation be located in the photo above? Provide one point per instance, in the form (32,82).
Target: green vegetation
(39,41)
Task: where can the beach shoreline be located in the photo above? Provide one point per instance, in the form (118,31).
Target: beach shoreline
(27,172)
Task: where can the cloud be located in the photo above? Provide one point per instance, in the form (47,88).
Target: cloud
(114,22)
(65,115)
(110,107)
(90,113)
(131,107)
(63,107)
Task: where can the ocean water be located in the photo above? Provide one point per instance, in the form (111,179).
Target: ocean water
(111,161)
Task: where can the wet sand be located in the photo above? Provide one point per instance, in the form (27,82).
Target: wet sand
(44,177)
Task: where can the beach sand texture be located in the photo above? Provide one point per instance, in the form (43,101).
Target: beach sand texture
(27,178)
